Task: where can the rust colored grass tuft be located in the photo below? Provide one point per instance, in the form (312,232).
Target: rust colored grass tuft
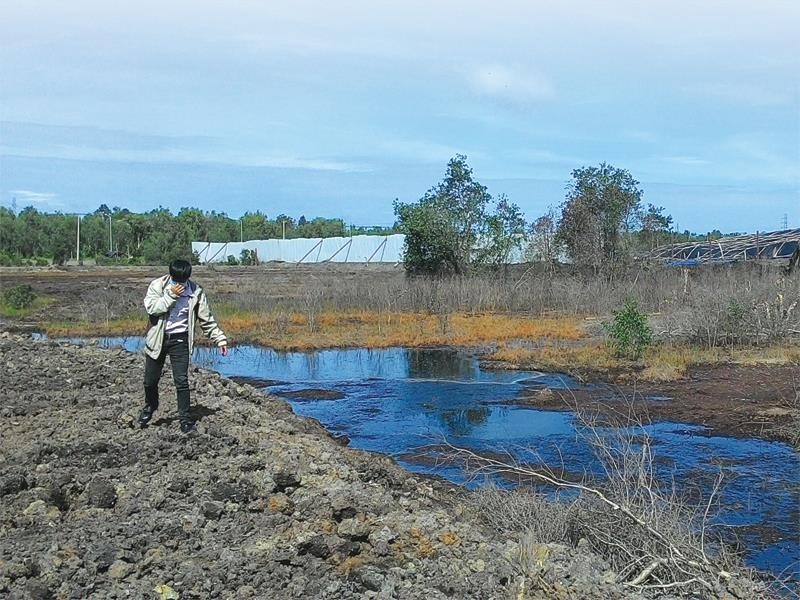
(334,329)
(382,330)
(659,364)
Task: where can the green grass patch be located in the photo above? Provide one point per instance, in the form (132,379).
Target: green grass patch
(38,304)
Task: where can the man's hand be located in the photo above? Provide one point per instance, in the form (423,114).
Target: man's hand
(224,350)
(177,289)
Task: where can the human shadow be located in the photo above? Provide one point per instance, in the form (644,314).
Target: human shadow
(198,412)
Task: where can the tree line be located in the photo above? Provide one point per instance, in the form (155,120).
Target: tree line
(603,221)
(456,226)
(117,235)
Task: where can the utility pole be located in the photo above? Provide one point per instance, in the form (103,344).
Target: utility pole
(283,224)
(241,230)
(78,243)
(110,242)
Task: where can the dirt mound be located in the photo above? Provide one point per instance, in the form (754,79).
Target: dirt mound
(258,503)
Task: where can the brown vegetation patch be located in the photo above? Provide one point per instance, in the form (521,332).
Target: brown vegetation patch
(730,399)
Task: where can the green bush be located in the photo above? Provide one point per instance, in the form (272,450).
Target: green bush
(232,260)
(248,257)
(19,296)
(628,331)
(11,260)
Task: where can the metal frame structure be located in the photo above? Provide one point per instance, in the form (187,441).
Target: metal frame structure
(761,246)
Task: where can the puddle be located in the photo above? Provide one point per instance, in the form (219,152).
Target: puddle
(402,401)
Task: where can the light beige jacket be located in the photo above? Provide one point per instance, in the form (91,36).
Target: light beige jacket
(159,300)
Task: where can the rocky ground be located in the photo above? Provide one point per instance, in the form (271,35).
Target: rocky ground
(258,503)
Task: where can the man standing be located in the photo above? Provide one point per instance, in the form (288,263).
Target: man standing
(174,304)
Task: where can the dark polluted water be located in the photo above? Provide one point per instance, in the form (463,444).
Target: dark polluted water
(405,402)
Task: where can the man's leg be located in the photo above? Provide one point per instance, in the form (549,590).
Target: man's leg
(179,358)
(152,375)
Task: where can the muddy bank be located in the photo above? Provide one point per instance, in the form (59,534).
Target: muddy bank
(259,503)
(736,400)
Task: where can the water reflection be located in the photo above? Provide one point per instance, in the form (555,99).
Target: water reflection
(439,363)
(460,423)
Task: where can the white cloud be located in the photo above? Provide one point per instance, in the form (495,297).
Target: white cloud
(31,198)
(313,164)
(511,84)
(131,147)
(422,150)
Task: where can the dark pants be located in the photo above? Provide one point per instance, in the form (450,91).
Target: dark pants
(177,348)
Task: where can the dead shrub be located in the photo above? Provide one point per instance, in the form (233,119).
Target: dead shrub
(655,539)
(543,519)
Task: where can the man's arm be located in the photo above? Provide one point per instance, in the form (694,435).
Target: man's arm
(158,304)
(207,322)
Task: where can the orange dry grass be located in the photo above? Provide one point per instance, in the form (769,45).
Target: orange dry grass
(564,359)
(382,330)
(294,331)
(659,363)
(132,325)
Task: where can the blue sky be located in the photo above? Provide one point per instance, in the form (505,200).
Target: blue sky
(336,109)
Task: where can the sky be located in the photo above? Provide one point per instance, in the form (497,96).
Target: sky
(336,109)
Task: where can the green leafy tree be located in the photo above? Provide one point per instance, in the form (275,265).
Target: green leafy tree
(443,228)
(222,228)
(256,226)
(167,241)
(505,232)
(195,222)
(124,241)
(655,226)
(31,237)
(285,226)
(19,297)
(628,331)
(8,232)
(602,206)
(94,234)
(62,230)
(430,245)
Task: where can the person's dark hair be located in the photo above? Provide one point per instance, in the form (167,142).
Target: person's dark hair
(180,270)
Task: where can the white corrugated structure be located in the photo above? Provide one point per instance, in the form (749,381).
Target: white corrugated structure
(359,248)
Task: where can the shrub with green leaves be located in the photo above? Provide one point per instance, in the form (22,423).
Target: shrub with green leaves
(248,257)
(628,331)
(19,297)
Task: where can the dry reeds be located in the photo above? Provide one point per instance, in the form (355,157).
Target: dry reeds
(654,538)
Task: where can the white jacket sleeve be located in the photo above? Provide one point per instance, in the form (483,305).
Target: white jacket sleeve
(156,303)
(208,323)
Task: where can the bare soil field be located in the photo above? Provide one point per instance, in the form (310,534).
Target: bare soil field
(71,286)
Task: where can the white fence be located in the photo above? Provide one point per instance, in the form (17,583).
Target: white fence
(359,248)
